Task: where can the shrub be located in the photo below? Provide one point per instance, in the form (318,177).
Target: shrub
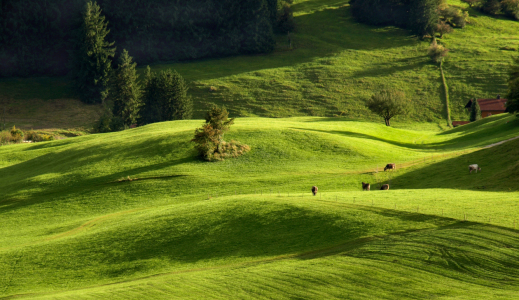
(443,28)
(5,137)
(103,124)
(437,52)
(454,16)
(38,137)
(16,135)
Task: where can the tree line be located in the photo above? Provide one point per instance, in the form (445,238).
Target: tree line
(126,100)
(36,36)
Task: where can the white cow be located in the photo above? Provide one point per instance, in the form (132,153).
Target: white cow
(474,167)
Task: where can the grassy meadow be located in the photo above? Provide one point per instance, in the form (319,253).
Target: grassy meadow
(334,65)
(135,214)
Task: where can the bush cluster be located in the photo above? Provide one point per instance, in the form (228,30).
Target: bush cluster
(453,16)
(437,52)
(33,136)
(16,135)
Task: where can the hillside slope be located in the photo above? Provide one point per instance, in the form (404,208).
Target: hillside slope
(119,214)
(334,65)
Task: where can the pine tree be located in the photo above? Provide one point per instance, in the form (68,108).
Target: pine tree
(475,111)
(165,98)
(93,56)
(125,91)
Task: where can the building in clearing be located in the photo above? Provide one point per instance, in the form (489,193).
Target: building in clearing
(489,107)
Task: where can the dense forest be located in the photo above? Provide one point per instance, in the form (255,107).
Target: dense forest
(37,36)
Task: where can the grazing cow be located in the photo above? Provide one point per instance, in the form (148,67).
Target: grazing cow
(314,190)
(390,167)
(366,186)
(385,187)
(474,167)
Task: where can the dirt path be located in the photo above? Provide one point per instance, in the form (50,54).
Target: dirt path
(502,142)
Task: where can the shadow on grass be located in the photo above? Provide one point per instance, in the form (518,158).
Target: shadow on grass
(499,171)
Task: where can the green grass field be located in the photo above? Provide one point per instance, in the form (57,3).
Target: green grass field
(334,66)
(136,215)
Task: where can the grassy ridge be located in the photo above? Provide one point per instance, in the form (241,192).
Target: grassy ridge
(102,209)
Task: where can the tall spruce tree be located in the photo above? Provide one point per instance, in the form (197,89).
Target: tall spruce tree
(165,97)
(423,16)
(475,111)
(93,56)
(125,91)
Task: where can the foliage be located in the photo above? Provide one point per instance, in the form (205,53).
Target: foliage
(443,28)
(454,16)
(16,135)
(388,104)
(285,18)
(93,56)
(419,16)
(33,136)
(510,8)
(103,124)
(209,141)
(165,97)
(472,3)
(512,104)
(437,52)
(475,111)
(125,91)
(492,7)
(423,16)
(35,36)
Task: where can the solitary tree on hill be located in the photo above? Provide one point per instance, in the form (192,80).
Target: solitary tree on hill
(388,104)
(125,91)
(475,111)
(93,56)
(209,139)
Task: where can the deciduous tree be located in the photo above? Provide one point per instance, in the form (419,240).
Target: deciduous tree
(388,104)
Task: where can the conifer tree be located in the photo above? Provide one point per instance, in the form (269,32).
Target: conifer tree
(125,91)
(475,111)
(93,56)
(165,98)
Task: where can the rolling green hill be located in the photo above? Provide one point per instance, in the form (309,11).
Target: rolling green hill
(334,65)
(135,214)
